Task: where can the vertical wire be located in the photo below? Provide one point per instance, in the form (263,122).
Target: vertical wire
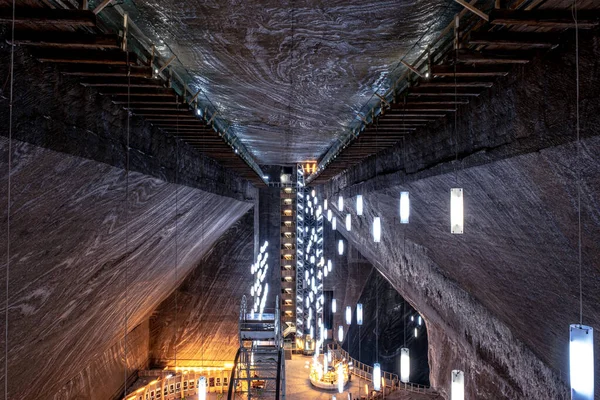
(456,115)
(578,167)
(126,322)
(176,229)
(8,198)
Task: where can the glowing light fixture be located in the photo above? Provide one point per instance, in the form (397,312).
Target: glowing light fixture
(404,365)
(416,332)
(341,247)
(340,333)
(377,376)
(359,314)
(581,362)
(333,306)
(340,378)
(329,215)
(359,205)
(348,315)
(457,389)
(348,222)
(202,388)
(325,204)
(419,320)
(456,210)
(334,223)
(341,203)
(329,265)
(377,229)
(404,207)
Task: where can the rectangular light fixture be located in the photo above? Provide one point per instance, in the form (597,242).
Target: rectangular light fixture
(340,334)
(333,306)
(334,223)
(348,315)
(359,205)
(340,203)
(456,210)
(376,229)
(325,204)
(202,388)
(341,247)
(581,362)
(376,377)
(359,314)
(404,207)
(348,222)
(340,378)
(404,365)
(457,389)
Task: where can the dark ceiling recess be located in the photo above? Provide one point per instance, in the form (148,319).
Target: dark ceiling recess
(476,48)
(84,47)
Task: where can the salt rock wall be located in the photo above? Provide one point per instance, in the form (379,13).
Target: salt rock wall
(498,299)
(387,327)
(198,323)
(75,287)
(107,371)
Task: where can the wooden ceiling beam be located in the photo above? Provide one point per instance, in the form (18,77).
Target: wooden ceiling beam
(514,39)
(493,57)
(47,16)
(67,40)
(469,71)
(91,70)
(587,19)
(86,56)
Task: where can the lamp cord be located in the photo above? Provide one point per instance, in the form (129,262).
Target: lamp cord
(8,198)
(127,154)
(176,227)
(578,168)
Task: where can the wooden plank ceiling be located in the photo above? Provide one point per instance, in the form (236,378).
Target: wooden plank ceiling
(71,39)
(466,66)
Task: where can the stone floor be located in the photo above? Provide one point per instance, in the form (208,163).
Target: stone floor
(298,386)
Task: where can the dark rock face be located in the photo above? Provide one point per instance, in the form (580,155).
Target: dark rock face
(74,288)
(56,112)
(387,327)
(497,300)
(198,323)
(291,76)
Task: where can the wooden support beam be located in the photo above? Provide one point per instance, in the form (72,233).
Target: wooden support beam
(443,92)
(418,107)
(65,40)
(413,69)
(120,81)
(65,56)
(45,16)
(473,9)
(495,57)
(101,6)
(408,113)
(169,61)
(587,19)
(464,84)
(514,39)
(106,71)
(470,71)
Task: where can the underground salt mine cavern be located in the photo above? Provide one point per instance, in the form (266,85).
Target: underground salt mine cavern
(301,200)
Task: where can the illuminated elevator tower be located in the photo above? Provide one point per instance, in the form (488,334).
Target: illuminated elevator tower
(288,252)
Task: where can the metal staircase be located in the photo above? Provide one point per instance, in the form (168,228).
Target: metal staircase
(259,367)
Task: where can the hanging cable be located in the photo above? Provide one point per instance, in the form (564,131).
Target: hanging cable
(127,154)
(456,46)
(8,197)
(578,163)
(176,228)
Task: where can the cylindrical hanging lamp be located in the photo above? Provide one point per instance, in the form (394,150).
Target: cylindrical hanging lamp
(359,314)
(404,207)
(341,247)
(359,205)
(404,365)
(457,390)
(376,229)
(456,211)
(348,315)
(377,376)
(348,222)
(581,362)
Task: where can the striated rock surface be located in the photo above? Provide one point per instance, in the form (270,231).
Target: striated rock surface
(197,325)
(75,288)
(290,75)
(498,299)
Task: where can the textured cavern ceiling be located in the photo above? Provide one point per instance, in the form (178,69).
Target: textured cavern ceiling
(291,76)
